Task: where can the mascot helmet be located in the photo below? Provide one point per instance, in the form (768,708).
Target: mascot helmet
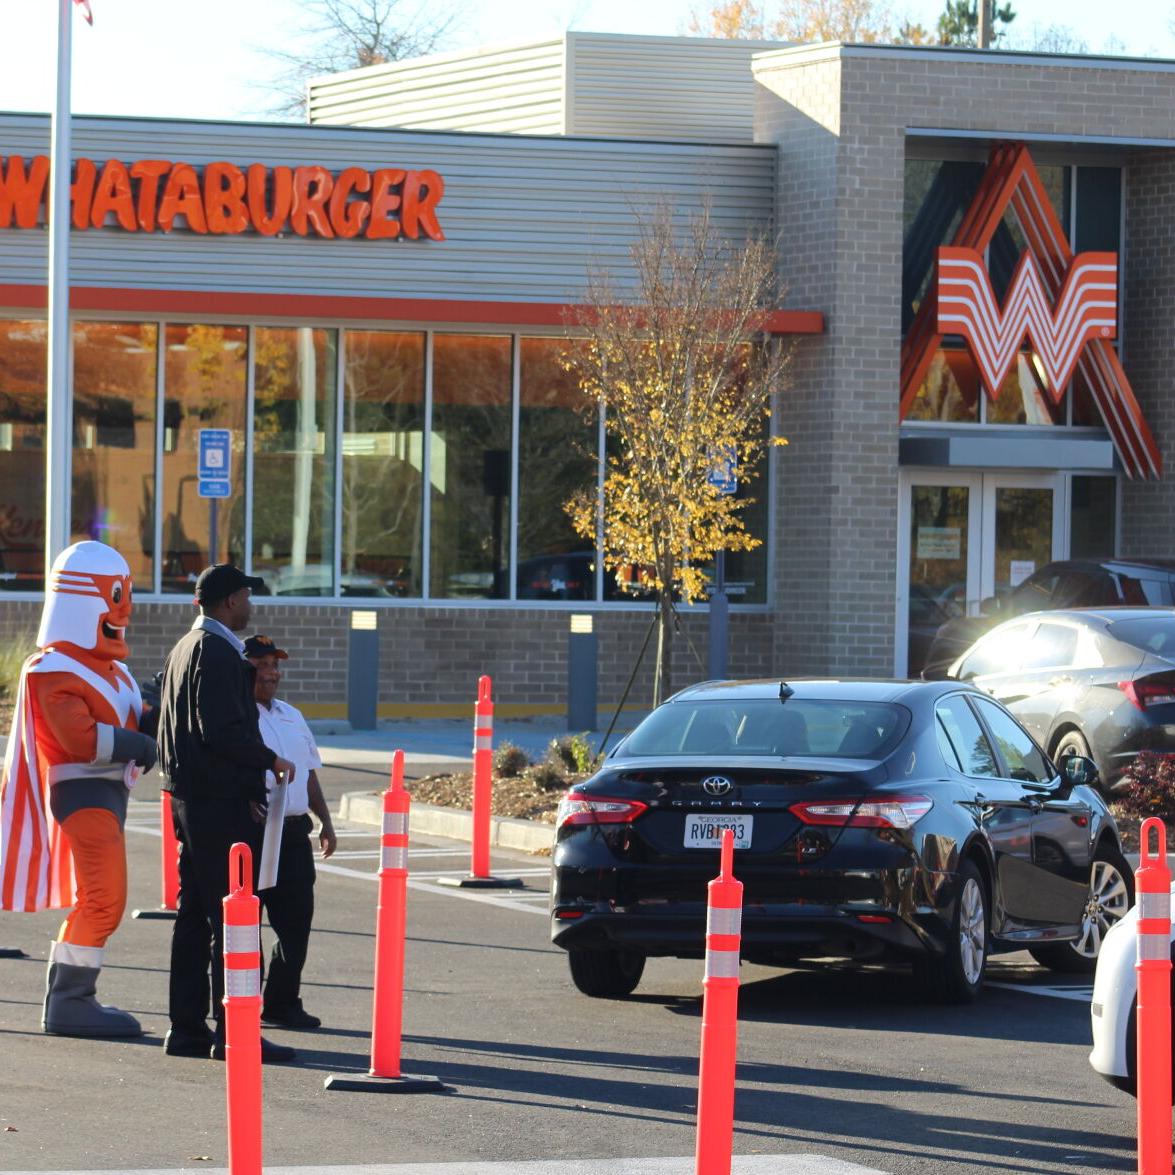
(88,604)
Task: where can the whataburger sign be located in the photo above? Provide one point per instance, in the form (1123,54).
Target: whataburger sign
(1065,305)
(152,195)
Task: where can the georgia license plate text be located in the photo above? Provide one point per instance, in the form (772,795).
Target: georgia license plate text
(705,832)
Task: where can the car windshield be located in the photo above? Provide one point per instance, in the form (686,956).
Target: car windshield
(1155,634)
(826,728)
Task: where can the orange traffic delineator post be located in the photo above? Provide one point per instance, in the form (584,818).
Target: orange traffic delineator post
(390,931)
(724,922)
(169,861)
(242,1014)
(1152,882)
(479,876)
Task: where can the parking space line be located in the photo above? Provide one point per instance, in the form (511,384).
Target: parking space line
(792,1164)
(1082,993)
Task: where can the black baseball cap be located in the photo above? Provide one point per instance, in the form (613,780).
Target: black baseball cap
(263,646)
(219,581)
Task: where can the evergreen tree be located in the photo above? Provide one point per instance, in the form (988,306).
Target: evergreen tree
(959,22)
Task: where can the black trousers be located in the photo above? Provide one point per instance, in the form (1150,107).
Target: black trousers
(206,831)
(289,906)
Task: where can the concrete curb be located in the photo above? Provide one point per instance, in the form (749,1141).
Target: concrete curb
(529,836)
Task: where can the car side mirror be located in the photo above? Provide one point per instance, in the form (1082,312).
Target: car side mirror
(1077,771)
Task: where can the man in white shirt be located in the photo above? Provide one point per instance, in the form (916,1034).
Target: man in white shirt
(289,905)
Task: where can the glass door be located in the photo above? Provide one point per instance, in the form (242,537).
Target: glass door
(963,539)
(939,545)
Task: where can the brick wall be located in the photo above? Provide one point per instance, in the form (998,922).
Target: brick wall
(430,658)
(1148,508)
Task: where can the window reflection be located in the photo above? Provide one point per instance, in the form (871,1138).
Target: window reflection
(383,463)
(470,467)
(557,446)
(204,387)
(113,492)
(294,460)
(22,455)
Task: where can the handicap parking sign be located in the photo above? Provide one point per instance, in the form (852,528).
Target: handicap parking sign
(214,473)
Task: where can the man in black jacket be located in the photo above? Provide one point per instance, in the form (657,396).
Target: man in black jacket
(210,751)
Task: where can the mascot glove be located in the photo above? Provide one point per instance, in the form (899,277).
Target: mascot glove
(130,746)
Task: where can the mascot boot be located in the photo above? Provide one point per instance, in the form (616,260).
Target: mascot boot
(71,1008)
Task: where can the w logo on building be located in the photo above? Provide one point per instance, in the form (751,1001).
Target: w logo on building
(1087,308)
(1066,307)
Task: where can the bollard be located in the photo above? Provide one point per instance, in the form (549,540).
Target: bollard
(169,862)
(479,876)
(390,931)
(724,918)
(242,1014)
(1152,883)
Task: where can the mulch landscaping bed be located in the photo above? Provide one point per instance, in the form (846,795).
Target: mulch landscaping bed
(523,796)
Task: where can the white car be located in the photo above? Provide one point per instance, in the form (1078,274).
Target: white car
(1115,991)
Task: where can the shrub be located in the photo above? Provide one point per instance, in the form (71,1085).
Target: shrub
(510,760)
(549,775)
(13,652)
(1150,790)
(573,752)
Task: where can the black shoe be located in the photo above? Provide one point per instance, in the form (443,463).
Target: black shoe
(292,1017)
(182,1043)
(271,1054)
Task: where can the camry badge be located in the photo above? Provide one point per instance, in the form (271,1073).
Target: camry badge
(716,785)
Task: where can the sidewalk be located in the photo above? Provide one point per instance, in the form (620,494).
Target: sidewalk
(429,743)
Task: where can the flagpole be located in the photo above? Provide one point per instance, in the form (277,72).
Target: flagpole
(58,409)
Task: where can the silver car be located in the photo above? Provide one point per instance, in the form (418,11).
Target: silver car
(1098,682)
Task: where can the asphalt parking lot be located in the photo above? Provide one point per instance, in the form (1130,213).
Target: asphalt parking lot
(845,1066)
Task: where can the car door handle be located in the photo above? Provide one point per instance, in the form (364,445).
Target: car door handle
(1063,679)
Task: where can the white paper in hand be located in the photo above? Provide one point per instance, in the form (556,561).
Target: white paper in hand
(271,846)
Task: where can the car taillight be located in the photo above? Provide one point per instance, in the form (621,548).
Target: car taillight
(1154,691)
(891,812)
(577,808)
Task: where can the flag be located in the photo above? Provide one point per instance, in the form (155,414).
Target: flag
(84,5)
(36,866)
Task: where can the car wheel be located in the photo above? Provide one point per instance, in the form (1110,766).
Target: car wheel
(1111,894)
(956,976)
(606,974)
(1072,742)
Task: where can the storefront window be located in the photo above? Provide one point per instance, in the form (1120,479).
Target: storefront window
(113,493)
(204,388)
(294,404)
(22,455)
(950,391)
(1023,398)
(383,463)
(558,435)
(470,540)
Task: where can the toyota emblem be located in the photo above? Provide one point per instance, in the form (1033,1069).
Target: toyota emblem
(716,785)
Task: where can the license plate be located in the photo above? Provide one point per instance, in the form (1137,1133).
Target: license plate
(705,832)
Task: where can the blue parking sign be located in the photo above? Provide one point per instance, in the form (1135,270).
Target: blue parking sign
(723,472)
(214,472)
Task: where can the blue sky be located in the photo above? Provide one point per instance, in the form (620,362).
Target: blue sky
(204,60)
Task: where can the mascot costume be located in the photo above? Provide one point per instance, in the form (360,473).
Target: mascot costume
(73,755)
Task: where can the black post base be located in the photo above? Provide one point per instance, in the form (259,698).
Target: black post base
(472,882)
(367,1083)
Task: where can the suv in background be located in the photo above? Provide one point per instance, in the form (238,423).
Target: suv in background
(1071,583)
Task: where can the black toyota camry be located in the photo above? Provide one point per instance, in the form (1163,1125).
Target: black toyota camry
(874,821)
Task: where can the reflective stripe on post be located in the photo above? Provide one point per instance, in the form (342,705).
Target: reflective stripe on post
(716,1067)
(1153,966)
(483,767)
(242,1014)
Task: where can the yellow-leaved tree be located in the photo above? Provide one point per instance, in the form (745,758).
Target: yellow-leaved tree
(684,372)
